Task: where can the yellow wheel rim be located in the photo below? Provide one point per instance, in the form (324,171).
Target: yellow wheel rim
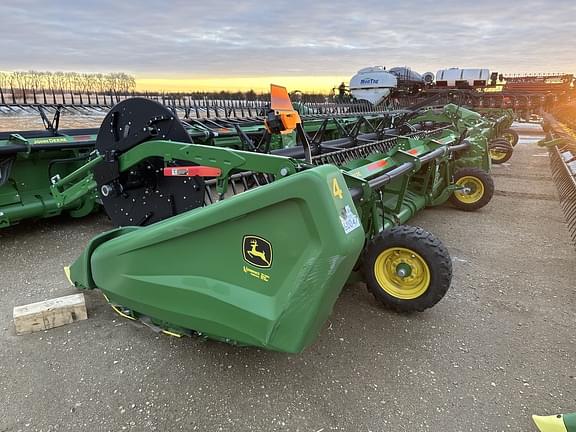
(402,273)
(497,155)
(472,190)
(508,137)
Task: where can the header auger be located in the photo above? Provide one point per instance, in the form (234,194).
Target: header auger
(253,248)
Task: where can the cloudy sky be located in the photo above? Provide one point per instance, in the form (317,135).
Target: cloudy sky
(303,41)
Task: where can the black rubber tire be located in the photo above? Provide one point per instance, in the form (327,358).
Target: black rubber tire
(425,244)
(513,134)
(487,182)
(501,143)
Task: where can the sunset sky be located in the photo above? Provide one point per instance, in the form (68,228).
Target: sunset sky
(306,45)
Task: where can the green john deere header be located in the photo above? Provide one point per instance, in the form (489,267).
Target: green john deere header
(254,248)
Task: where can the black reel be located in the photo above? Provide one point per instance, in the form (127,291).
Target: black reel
(142,195)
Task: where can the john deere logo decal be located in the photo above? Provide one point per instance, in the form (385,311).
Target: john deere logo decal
(257,251)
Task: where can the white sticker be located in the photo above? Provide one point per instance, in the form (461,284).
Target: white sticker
(349,220)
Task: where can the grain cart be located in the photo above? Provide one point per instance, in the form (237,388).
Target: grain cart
(252,248)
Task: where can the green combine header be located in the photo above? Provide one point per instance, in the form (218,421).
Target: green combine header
(254,248)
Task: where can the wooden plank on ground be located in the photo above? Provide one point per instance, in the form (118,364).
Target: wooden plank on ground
(48,314)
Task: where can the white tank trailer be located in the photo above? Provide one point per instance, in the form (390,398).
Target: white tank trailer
(373,84)
(408,80)
(463,78)
(404,73)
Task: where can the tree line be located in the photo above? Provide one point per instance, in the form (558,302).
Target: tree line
(68,81)
(118,82)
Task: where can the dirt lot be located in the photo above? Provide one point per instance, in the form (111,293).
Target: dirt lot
(498,348)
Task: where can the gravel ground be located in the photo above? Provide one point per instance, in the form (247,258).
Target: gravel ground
(498,348)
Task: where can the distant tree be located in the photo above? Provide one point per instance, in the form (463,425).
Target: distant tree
(4,79)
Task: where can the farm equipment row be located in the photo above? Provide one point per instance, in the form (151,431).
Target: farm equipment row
(561,143)
(33,162)
(493,124)
(253,248)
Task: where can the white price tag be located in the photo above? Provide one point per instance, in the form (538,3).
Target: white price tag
(349,220)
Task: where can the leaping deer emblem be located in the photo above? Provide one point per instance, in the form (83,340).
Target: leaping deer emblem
(254,253)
